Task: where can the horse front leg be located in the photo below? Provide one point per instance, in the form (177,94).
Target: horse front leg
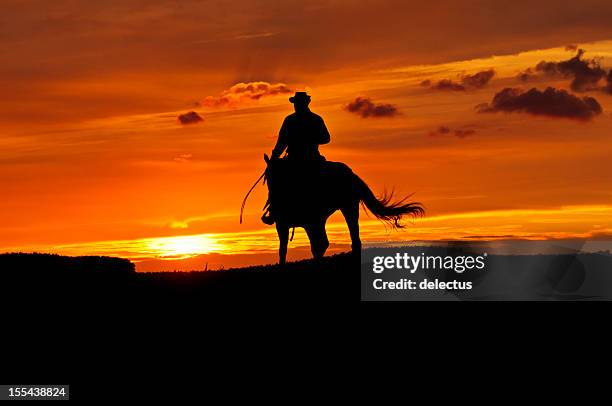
(283,238)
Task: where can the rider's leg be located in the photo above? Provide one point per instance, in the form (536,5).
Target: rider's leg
(267,217)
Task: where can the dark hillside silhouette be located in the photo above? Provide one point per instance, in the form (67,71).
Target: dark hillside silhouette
(48,279)
(107,282)
(41,282)
(37,265)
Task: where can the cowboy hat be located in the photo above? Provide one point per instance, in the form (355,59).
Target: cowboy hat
(300,97)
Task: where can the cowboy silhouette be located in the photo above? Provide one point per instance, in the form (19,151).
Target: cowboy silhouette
(304,188)
(300,135)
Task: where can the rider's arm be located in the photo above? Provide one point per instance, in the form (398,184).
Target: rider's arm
(323,134)
(281,142)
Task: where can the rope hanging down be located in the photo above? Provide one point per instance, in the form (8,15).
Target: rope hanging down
(248,193)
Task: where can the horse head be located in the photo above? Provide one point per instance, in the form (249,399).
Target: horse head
(268,168)
(271,169)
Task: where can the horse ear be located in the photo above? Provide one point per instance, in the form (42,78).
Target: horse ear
(266,158)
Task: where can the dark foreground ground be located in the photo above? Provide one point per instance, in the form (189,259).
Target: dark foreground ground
(96,324)
(52,279)
(42,281)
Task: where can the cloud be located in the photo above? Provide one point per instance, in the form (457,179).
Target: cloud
(364,107)
(571,47)
(479,79)
(183,158)
(550,102)
(586,73)
(441,131)
(190,118)
(252,35)
(464,133)
(246,92)
(475,81)
(459,133)
(525,75)
(608,87)
(444,84)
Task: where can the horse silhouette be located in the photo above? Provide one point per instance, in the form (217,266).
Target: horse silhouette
(306,194)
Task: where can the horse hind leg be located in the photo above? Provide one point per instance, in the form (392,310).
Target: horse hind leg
(318,239)
(351,215)
(283,238)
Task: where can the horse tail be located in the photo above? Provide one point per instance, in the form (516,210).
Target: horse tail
(384,208)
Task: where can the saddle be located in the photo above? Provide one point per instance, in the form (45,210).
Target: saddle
(298,187)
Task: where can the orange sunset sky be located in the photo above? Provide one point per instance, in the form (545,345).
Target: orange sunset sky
(96,161)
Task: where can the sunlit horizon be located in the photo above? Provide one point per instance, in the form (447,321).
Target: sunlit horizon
(564,223)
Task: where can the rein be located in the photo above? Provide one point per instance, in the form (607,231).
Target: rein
(253,187)
(248,193)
